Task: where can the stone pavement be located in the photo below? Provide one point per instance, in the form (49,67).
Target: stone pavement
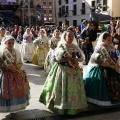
(36,110)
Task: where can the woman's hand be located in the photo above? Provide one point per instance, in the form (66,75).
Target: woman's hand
(46,47)
(116,41)
(77,60)
(40,47)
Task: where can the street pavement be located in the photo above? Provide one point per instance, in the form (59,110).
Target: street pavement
(38,111)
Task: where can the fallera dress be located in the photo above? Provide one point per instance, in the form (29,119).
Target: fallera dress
(27,49)
(102,84)
(49,61)
(14,86)
(41,51)
(63,92)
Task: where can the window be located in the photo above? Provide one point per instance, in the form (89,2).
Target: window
(63,10)
(75,10)
(59,12)
(66,1)
(59,1)
(44,11)
(93,6)
(104,2)
(44,3)
(67,11)
(60,23)
(50,3)
(50,19)
(50,11)
(83,9)
(104,5)
(45,19)
(31,3)
(75,23)
(67,22)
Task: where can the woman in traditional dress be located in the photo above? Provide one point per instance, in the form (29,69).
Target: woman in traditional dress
(63,91)
(2,33)
(49,61)
(27,47)
(102,81)
(42,48)
(14,85)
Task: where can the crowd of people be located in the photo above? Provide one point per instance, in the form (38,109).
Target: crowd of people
(65,91)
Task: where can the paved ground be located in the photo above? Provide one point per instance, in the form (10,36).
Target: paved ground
(37,110)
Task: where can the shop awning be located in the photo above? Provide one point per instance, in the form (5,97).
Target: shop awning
(100,18)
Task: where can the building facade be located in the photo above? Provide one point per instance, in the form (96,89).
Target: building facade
(49,7)
(75,11)
(36,12)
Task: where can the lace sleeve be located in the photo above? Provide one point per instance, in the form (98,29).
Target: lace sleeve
(97,57)
(60,53)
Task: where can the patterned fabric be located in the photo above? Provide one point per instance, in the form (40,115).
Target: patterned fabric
(113,85)
(111,61)
(27,51)
(65,51)
(1,39)
(53,42)
(49,61)
(102,83)
(14,85)
(63,90)
(40,52)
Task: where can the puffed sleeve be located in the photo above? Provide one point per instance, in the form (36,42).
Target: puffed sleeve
(97,57)
(36,41)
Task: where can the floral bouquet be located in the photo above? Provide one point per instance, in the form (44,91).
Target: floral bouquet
(61,53)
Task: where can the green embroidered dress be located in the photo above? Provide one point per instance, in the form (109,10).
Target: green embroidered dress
(63,91)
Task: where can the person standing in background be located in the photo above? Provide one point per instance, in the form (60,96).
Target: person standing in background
(87,37)
(112,27)
(2,34)
(118,26)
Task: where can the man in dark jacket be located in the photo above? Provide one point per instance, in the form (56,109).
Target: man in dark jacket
(87,37)
(112,27)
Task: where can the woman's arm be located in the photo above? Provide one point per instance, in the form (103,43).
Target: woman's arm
(46,46)
(67,59)
(77,60)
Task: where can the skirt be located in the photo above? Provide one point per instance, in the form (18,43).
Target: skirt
(102,87)
(49,61)
(63,91)
(12,104)
(39,56)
